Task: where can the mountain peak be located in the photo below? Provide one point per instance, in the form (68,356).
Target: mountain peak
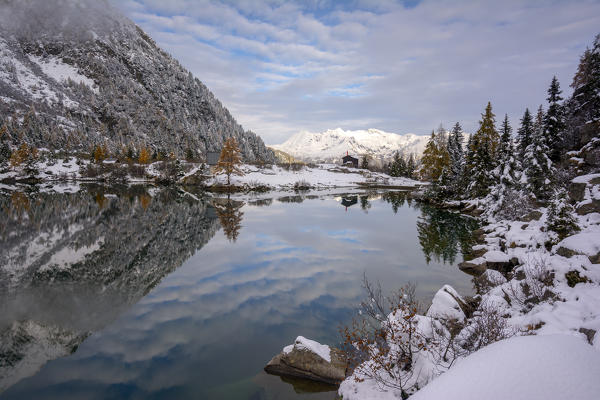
(332,144)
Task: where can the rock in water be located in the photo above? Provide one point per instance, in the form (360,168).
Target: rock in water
(309,360)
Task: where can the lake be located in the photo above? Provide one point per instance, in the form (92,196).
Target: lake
(141,292)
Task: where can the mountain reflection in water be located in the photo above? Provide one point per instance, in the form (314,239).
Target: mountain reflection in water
(135,283)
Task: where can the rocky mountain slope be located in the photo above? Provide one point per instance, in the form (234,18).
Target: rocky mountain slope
(74,74)
(332,145)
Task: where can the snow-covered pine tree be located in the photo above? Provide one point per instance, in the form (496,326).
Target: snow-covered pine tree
(538,167)
(560,215)
(584,105)
(484,143)
(457,159)
(554,120)
(506,199)
(411,166)
(524,133)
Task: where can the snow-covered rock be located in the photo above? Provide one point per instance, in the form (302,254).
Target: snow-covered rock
(309,359)
(586,243)
(447,303)
(529,367)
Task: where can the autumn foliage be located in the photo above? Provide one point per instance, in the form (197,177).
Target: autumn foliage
(230,160)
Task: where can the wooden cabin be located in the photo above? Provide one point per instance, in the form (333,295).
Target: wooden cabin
(350,161)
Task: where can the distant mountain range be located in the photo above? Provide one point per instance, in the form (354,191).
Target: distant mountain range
(333,144)
(74,74)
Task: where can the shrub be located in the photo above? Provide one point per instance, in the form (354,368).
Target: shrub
(302,185)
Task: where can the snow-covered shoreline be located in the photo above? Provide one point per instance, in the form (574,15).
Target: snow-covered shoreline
(272,177)
(553,291)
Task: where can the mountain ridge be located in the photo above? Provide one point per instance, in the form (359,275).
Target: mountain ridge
(332,144)
(76,74)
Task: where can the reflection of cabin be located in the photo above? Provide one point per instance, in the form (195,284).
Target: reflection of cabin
(212,157)
(349,201)
(350,161)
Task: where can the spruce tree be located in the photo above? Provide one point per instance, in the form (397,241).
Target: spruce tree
(524,133)
(584,105)
(411,166)
(538,167)
(485,143)
(554,120)
(457,158)
(560,215)
(506,196)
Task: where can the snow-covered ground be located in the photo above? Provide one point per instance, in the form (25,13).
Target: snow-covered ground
(551,367)
(322,176)
(553,294)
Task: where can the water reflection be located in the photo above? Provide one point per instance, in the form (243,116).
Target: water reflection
(443,234)
(72,263)
(148,302)
(230,216)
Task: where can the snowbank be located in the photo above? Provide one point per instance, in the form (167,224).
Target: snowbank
(529,367)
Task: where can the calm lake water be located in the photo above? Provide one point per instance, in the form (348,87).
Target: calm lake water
(130,293)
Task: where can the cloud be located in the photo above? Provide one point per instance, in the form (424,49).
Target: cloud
(282,67)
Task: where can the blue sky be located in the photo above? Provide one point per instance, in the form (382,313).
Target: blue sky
(284,66)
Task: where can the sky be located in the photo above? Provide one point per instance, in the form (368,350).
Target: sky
(282,67)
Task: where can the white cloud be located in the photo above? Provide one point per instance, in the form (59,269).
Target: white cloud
(284,66)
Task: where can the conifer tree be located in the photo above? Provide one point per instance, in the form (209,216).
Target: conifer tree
(506,198)
(411,166)
(485,143)
(584,105)
(435,156)
(365,162)
(524,133)
(538,167)
(560,215)
(144,157)
(457,158)
(554,120)
(230,160)
(428,160)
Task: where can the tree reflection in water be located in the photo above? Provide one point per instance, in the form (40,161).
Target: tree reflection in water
(230,216)
(442,234)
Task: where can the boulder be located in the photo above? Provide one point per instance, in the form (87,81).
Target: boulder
(472,268)
(565,252)
(448,304)
(195,179)
(308,359)
(532,216)
(589,207)
(488,280)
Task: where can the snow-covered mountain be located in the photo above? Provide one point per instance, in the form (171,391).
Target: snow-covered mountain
(333,144)
(77,73)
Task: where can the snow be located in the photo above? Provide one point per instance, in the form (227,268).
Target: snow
(333,144)
(60,72)
(529,367)
(496,256)
(444,304)
(585,178)
(321,176)
(587,243)
(304,344)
